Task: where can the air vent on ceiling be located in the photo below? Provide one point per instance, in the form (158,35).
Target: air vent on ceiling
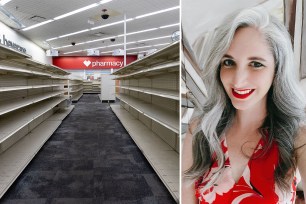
(38,19)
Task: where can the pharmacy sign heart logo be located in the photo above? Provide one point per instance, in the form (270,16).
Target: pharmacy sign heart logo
(87,63)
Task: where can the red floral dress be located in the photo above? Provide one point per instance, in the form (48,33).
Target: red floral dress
(256,185)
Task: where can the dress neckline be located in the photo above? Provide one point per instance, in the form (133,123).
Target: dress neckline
(246,169)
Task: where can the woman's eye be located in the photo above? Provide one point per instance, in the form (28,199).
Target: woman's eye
(256,64)
(228,63)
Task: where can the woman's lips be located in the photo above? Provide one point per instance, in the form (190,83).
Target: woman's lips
(242,94)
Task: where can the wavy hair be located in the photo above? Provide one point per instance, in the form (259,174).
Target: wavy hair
(285,101)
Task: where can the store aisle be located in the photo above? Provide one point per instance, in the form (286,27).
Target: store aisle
(89,159)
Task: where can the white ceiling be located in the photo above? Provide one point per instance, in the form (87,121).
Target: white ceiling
(31,12)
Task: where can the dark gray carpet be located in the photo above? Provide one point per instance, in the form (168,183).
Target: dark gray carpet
(89,159)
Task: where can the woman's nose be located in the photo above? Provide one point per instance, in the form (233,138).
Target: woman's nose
(240,77)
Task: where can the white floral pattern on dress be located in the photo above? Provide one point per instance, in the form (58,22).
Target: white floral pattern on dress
(223,185)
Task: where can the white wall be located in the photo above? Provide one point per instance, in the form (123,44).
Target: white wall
(34,50)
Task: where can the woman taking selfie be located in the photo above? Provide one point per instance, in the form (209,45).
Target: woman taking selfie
(249,141)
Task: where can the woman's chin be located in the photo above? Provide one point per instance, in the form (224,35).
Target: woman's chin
(241,106)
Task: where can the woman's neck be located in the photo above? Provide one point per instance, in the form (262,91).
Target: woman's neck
(250,119)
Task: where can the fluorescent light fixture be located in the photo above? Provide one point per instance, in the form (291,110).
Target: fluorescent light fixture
(81,31)
(110,24)
(141,31)
(51,39)
(3,2)
(73,52)
(145,49)
(98,27)
(38,24)
(131,48)
(147,46)
(157,12)
(115,23)
(135,52)
(62,47)
(97,48)
(168,36)
(115,45)
(139,47)
(76,11)
(104,1)
(162,44)
(171,25)
(100,39)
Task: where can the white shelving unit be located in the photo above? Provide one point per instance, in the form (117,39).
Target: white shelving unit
(107,88)
(163,116)
(74,87)
(96,86)
(31,93)
(149,110)
(91,86)
(87,86)
(171,94)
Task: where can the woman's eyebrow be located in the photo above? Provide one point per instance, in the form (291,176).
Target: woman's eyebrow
(228,56)
(250,58)
(257,58)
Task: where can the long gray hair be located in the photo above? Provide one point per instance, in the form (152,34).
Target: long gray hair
(285,105)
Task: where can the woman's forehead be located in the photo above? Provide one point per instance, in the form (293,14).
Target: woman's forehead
(249,42)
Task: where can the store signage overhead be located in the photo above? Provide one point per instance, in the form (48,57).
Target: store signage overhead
(11,44)
(91,62)
(113,64)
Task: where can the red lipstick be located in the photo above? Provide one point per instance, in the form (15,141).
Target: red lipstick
(242,93)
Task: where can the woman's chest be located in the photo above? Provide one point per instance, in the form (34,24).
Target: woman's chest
(239,153)
(254,183)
